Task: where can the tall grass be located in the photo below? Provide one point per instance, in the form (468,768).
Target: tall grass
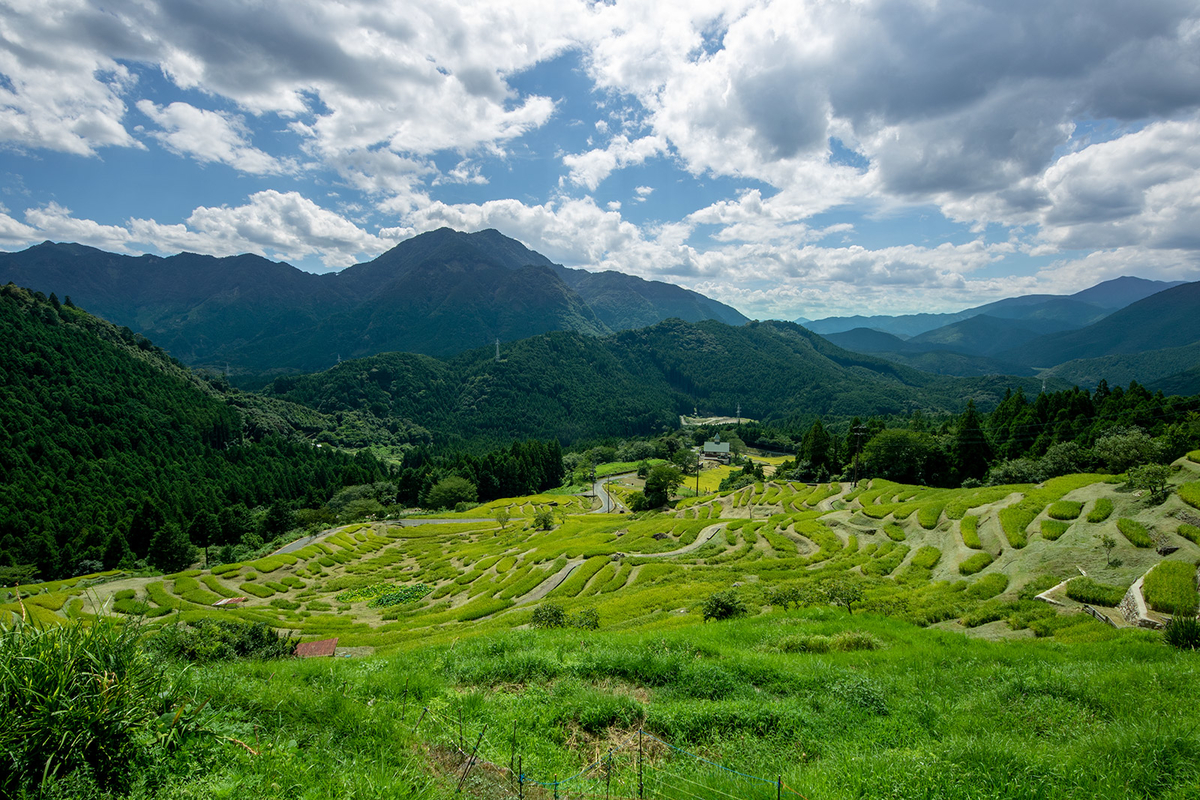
(78,698)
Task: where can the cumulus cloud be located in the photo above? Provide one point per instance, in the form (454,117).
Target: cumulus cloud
(273,224)
(591,168)
(208,136)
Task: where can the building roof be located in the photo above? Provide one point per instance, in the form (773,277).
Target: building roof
(322,647)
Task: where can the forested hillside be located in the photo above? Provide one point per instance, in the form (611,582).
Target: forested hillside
(105,442)
(572,387)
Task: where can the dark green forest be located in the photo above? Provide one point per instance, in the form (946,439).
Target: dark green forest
(105,440)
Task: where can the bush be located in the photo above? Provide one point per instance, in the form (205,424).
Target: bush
(1065,509)
(723,605)
(549,615)
(1135,532)
(1171,588)
(1086,590)
(220,640)
(83,701)
(1183,632)
(1100,511)
(975,563)
(1053,528)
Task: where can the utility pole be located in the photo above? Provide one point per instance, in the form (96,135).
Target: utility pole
(859,431)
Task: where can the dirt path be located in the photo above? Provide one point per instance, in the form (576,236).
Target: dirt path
(550,584)
(704,538)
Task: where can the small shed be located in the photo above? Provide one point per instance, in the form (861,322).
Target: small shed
(322,647)
(717,450)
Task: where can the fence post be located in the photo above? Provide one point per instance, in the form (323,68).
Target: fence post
(520,778)
(779,788)
(641,783)
(608,775)
(555,787)
(512,753)
(421,719)
(404,712)
(470,760)
(461,744)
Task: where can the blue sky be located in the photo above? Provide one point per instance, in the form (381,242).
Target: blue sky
(791,159)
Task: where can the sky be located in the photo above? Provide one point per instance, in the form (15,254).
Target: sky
(792,159)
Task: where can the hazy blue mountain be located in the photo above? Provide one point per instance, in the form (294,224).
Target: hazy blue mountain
(1166,319)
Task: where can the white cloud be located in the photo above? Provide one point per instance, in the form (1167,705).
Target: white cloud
(209,136)
(591,168)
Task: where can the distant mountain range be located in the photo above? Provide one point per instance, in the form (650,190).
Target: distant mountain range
(439,293)
(1147,331)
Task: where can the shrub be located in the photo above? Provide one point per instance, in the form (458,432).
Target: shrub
(1053,528)
(1135,532)
(1183,632)
(220,640)
(969,527)
(549,615)
(1101,510)
(723,605)
(1086,590)
(1065,509)
(588,619)
(1171,588)
(79,699)
(975,563)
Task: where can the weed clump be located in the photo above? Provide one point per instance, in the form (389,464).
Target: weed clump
(1183,633)
(220,640)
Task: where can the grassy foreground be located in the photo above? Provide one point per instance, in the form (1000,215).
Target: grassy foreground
(890,701)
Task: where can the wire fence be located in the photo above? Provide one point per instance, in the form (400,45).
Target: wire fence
(639,765)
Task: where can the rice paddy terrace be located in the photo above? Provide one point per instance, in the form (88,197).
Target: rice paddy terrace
(951,557)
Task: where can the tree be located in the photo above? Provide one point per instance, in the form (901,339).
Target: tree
(972,451)
(170,549)
(661,483)
(277,520)
(687,460)
(205,529)
(449,492)
(904,456)
(844,591)
(502,517)
(1109,543)
(815,447)
(1150,477)
(543,518)
(1122,448)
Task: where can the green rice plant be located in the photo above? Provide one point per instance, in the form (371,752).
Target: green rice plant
(293,581)
(217,587)
(1014,520)
(130,606)
(1135,532)
(277,586)
(969,528)
(157,593)
(1101,510)
(405,594)
(887,563)
(184,583)
(894,532)
(1171,588)
(1189,532)
(1065,509)
(484,607)
(125,594)
(780,543)
(927,557)
(258,590)
(318,605)
(1086,590)
(80,697)
(1054,528)
(574,584)
(975,563)
(928,515)
(988,586)
(505,564)
(1194,456)
(1190,493)
(201,597)
(284,604)
(357,593)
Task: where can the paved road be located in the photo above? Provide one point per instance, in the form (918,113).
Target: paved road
(608,503)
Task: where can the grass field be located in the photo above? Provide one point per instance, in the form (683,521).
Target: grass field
(884,712)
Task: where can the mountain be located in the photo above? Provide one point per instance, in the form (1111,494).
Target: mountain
(1068,311)
(438,293)
(1153,368)
(573,387)
(1163,320)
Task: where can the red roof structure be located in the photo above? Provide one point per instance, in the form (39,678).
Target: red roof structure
(324,647)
